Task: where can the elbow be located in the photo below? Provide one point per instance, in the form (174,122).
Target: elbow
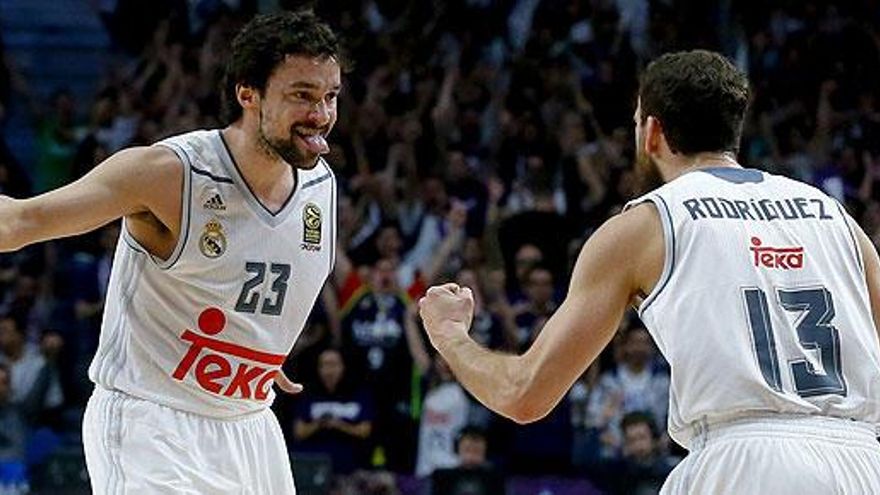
(528,412)
(523,403)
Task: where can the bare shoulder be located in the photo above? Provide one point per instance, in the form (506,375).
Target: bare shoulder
(642,219)
(631,230)
(154,175)
(143,184)
(149,175)
(632,245)
(147,161)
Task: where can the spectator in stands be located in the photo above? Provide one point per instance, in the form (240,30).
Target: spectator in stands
(634,384)
(30,365)
(56,142)
(643,467)
(526,256)
(13,438)
(28,388)
(473,474)
(444,413)
(585,445)
(13,421)
(373,317)
(440,235)
(29,303)
(335,417)
(531,314)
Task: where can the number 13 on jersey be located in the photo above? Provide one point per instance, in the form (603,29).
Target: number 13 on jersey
(815,335)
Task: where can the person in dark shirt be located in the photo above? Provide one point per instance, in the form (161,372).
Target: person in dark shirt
(643,467)
(474,475)
(334,417)
(373,315)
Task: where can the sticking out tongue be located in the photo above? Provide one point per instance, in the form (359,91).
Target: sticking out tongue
(316,143)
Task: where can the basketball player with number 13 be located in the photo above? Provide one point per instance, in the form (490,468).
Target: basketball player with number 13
(760,291)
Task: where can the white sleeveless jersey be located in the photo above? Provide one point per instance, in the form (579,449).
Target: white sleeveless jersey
(762,305)
(206,330)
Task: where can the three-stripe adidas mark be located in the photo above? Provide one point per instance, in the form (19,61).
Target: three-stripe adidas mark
(215,203)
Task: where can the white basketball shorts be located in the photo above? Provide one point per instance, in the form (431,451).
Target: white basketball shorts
(780,456)
(139,447)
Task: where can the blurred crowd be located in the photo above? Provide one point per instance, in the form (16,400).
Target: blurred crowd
(478,141)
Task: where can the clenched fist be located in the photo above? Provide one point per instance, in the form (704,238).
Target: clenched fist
(447,311)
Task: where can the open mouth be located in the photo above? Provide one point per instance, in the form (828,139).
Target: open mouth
(315,142)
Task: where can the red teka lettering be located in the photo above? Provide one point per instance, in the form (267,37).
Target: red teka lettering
(787,258)
(213,367)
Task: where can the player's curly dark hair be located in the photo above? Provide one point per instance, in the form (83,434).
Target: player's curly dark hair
(264,42)
(700,99)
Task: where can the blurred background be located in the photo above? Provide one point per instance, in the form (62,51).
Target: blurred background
(478,141)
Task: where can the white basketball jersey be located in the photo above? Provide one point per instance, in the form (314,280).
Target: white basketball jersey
(206,330)
(762,305)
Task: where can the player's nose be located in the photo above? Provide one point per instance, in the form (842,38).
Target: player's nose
(320,114)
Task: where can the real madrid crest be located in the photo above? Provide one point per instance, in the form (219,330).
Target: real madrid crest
(311,227)
(213,240)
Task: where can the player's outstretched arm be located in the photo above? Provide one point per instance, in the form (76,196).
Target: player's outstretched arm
(132,181)
(621,260)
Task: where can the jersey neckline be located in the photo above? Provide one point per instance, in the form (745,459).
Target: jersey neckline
(257,206)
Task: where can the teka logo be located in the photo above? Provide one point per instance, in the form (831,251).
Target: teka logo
(787,258)
(214,366)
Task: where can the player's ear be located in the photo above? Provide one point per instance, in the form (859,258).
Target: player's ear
(247,96)
(654,137)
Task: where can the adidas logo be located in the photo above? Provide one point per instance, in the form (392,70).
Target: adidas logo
(215,203)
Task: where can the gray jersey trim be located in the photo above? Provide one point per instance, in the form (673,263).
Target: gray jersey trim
(185,208)
(333,214)
(669,241)
(112,361)
(852,236)
(315,182)
(228,161)
(215,178)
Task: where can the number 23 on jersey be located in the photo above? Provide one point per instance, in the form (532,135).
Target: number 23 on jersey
(255,297)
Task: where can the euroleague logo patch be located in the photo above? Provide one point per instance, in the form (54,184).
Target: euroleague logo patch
(312,224)
(785,258)
(212,243)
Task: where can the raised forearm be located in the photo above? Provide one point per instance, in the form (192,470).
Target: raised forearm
(498,380)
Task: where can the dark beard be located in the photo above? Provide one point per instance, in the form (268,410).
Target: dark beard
(648,175)
(285,149)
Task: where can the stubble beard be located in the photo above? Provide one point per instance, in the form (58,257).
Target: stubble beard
(286,150)
(648,175)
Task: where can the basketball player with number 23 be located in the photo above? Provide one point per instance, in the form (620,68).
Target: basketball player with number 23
(228,236)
